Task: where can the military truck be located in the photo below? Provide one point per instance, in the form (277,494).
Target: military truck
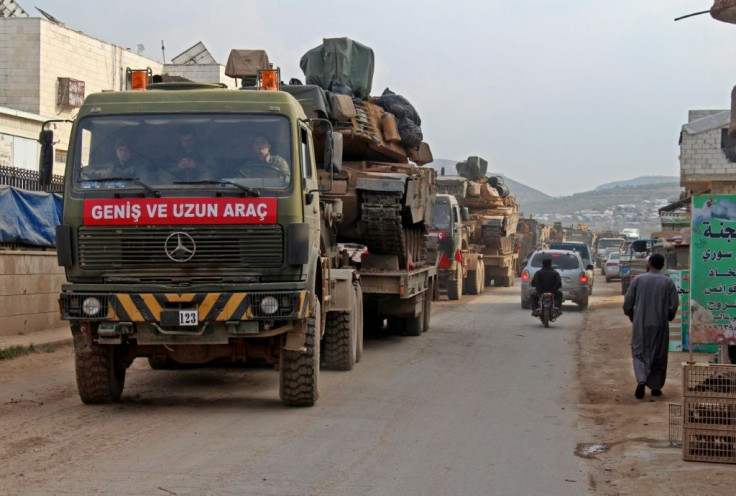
(460,267)
(385,196)
(238,262)
(493,215)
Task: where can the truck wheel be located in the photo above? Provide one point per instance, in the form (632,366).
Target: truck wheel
(100,375)
(474,281)
(482,277)
(340,341)
(299,370)
(608,278)
(455,288)
(414,325)
(359,320)
(427,308)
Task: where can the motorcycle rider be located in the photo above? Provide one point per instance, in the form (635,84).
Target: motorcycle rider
(546,280)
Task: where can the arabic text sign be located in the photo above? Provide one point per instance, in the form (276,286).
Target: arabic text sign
(177,211)
(713,269)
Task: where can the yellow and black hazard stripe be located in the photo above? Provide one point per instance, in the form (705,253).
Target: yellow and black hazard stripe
(212,307)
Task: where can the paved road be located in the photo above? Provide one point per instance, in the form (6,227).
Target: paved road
(484,403)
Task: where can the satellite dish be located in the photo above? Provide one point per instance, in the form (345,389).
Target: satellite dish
(140,48)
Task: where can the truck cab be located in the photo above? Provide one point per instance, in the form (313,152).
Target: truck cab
(190,254)
(449,244)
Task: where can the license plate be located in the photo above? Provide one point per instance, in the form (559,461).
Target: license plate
(188,318)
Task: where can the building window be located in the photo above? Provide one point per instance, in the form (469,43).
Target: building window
(60,156)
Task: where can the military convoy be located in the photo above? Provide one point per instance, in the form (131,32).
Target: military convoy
(493,215)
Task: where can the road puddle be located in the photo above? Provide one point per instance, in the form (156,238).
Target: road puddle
(588,450)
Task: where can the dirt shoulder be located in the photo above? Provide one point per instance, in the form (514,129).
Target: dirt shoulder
(628,439)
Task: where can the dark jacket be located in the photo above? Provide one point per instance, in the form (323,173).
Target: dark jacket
(547,280)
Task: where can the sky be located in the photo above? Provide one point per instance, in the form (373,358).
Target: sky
(561,95)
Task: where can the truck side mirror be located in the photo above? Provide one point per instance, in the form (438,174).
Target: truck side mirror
(464,214)
(336,158)
(46,158)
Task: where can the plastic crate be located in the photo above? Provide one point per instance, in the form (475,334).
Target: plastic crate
(709,445)
(709,413)
(675,432)
(702,380)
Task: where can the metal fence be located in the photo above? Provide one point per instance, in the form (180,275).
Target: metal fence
(28,179)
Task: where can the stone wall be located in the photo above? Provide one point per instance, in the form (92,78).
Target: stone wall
(30,282)
(702,161)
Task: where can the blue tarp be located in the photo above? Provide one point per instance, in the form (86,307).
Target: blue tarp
(29,217)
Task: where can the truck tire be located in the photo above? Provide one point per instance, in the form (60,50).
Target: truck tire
(414,326)
(340,341)
(100,375)
(427,310)
(474,280)
(455,288)
(299,370)
(482,277)
(359,319)
(341,338)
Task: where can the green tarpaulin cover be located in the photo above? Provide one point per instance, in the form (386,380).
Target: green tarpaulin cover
(343,59)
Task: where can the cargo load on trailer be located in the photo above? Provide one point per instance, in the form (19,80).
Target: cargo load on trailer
(493,214)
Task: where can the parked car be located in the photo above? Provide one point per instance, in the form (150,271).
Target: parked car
(613,266)
(584,251)
(572,271)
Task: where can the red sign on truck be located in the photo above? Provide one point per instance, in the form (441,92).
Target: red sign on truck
(168,211)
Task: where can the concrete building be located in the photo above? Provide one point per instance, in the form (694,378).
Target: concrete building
(707,154)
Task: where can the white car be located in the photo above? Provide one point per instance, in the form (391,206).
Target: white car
(613,266)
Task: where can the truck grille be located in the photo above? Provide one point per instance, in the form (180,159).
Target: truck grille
(104,248)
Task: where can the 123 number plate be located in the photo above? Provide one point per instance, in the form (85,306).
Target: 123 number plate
(188,318)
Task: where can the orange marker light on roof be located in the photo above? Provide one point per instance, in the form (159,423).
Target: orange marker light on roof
(138,80)
(269,79)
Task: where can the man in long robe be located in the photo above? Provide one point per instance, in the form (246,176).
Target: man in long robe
(651,303)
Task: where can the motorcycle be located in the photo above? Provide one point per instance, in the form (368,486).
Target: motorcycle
(546,310)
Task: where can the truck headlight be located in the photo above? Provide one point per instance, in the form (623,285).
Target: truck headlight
(91,306)
(269,305)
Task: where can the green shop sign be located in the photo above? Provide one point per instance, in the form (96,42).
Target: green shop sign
(713,270)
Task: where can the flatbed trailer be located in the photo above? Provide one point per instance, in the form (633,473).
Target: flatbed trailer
(403,296)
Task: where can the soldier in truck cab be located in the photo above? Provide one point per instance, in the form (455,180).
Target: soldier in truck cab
(125,163)
(186,161)
(266,164)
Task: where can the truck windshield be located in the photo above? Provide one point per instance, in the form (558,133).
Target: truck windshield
(172,150)
(609,242)
(441,215)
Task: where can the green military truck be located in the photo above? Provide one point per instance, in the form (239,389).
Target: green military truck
(227,255)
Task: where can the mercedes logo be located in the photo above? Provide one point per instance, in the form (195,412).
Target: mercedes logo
(180,247)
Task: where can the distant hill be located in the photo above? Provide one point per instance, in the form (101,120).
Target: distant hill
(524,194)
(639,181)
(606,198)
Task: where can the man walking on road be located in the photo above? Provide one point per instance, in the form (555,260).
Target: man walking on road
(651,303)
